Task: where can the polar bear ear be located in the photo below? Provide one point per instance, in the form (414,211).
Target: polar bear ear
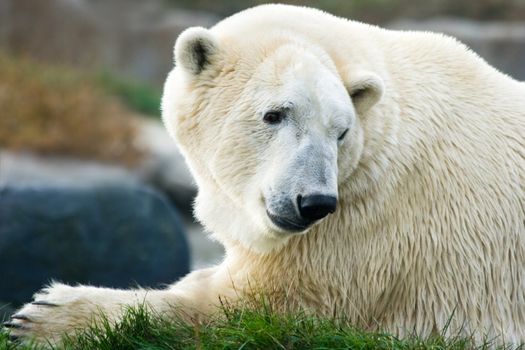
(195,49)
(365,89)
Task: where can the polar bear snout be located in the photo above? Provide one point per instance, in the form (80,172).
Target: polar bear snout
(317,206)
(288,224)
(294,203)
(306,211)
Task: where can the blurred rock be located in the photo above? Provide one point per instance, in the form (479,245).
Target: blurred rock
(25,169)
(164,166)
(206,251)
(115,235)
(499,43)
(132,37)
(6,310)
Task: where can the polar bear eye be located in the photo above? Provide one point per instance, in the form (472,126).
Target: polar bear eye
(342,136)
(273,117)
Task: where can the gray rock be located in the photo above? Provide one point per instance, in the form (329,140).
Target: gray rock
(208,252)
(164,166)
(6,310)
(26,169)
(499,43)
(106,235)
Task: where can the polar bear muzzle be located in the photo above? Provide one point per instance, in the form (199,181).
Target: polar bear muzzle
(294,203)
(311,209)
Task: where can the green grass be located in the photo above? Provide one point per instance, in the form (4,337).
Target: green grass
(243,329)
(136,95)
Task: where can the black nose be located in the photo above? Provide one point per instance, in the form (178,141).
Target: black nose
(317,206)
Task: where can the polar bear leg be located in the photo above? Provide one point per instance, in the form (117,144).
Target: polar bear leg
(60,309)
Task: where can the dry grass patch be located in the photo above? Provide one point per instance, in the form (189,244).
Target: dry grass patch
(53,110)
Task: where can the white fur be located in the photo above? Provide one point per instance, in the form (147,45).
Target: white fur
(430,178)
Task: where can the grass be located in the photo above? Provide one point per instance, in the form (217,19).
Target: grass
(243,328)
(137,96)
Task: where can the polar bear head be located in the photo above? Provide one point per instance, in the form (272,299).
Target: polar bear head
(269,131)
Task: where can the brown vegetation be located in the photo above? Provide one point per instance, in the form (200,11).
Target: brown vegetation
(51,110)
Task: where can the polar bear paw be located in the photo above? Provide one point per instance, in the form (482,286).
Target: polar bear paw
(56,311)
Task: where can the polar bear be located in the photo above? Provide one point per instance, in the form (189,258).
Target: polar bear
(350,170)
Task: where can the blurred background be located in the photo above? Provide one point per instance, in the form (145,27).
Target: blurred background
(92,189)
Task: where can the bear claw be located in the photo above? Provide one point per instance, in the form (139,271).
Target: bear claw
(43,303)
(20,317)
(11,325)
